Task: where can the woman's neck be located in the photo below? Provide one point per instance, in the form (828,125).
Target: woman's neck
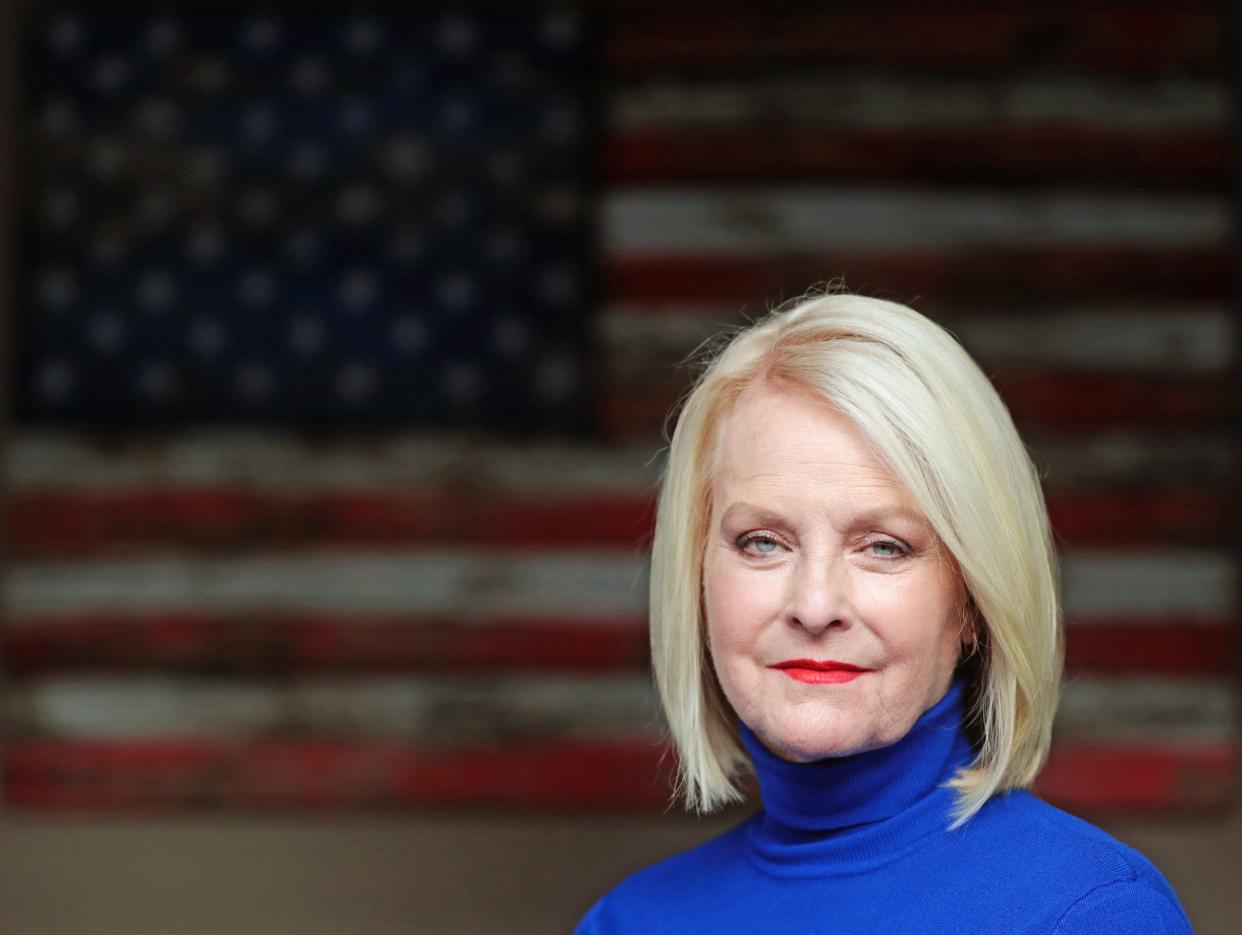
(854,806)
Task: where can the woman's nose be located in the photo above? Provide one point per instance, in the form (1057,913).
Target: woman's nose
(819,595)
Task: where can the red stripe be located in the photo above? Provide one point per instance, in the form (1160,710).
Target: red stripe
(1139,777)
(317,774)
(950,279)
(79,524)
(964,37)
(1094,400)
(1140,517)
(257,645)
(1190,159)
(1166,648)
(254,644)
(1039,401)
(67,775)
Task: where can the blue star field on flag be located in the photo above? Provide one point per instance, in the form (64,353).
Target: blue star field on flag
(318,218)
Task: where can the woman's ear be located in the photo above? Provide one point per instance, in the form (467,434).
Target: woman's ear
(971,621)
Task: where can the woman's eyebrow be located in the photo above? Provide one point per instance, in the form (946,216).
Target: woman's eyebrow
(890,512)
(867,517)
(754,513)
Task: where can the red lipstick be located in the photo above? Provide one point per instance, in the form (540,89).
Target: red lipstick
(819,672)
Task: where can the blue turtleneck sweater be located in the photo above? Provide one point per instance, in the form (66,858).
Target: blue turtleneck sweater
(859,844)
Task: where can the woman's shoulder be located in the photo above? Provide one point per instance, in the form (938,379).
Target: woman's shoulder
(1106,885)
(649,898)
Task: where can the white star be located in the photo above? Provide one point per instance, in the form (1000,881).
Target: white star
(155,209)
(109,73)
(303,247)
(511,336)
(557,285)
(307,161)
(158,381)
(457,36)
(406,246)
(106,158)
(254,383)
(555,377)
(356,382)
(205,167)
(210,75)
(462,382)
(163,36)
(65,34)
(57,288)
(357,205)
(259,124)
(205,245)
(257,207)
(504,246)
(106,332)
(364,37)
(406,158)
(310,76)
(159,117)
(207,337)
(358,290)
(409,334)
(307,335)
(456,291)
(257,288)
(60,208)
(59,116)
(559,29)
(356,117)
(56,380)
(156,291)
(261,34)
(108,248)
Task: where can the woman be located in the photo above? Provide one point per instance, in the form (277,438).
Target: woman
(854,595)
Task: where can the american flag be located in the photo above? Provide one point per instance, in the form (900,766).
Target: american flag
(347,337)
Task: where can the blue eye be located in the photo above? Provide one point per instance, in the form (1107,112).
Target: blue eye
(764,544)
(898,550)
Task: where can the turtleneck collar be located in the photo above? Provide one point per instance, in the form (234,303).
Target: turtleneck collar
(847,814)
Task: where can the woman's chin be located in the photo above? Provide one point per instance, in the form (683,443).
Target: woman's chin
(808,746)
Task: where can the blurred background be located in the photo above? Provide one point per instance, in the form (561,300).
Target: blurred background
(340,342)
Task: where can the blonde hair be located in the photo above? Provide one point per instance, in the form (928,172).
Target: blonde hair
(935,420)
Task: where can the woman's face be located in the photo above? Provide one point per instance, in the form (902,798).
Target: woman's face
(833,618)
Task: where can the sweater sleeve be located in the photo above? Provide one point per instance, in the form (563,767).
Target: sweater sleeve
(1126,907)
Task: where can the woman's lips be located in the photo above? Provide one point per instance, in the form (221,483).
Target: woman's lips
(816,672)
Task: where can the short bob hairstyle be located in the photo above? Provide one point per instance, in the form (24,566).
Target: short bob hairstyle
(934,419)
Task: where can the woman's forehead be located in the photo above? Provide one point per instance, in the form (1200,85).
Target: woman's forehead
(771,433)
(784,451)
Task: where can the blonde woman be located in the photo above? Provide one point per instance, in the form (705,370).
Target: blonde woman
(854,595)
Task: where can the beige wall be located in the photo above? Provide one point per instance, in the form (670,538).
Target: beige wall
(447,875)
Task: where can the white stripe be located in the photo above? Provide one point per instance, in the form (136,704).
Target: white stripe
(1194,340)
(781,219)
(577,585)
(1124,460)
(1161,341)
(495,708)
(50,460)
(848,100)
(54,461)
(1141,709)
(1116,585)
(434,709)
